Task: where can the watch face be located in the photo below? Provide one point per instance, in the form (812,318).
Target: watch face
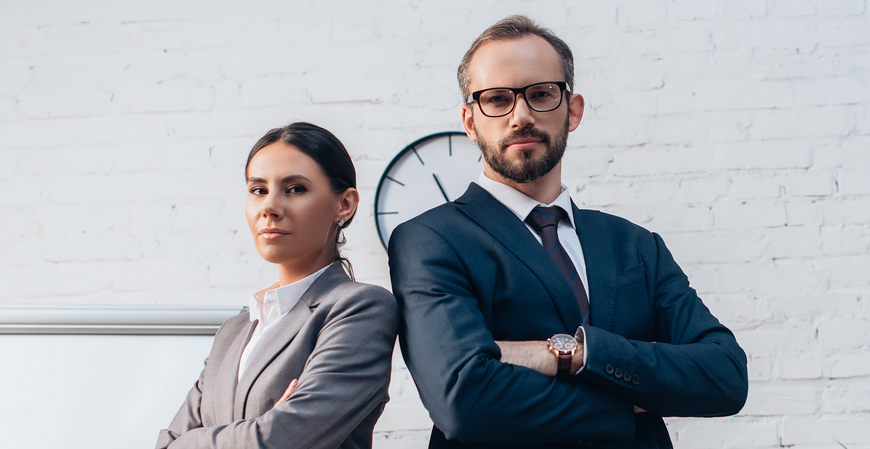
(427,173)
(563,342)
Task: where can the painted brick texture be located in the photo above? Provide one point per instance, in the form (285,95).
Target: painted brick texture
(739,130)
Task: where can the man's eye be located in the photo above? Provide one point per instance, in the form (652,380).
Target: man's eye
(497,99)
(540,94)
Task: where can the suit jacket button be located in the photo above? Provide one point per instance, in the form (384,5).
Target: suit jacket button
(618,373)
(636,379)
(608,369)
(626,376)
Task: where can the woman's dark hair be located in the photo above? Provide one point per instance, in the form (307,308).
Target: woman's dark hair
(329,153)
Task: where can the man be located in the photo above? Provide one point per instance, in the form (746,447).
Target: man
(480,296)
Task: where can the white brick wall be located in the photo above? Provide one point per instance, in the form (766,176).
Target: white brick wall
(737,129)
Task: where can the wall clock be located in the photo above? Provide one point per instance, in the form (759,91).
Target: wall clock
(429,172)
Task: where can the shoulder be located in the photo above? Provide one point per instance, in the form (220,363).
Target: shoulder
(435,218)
(359,296)
(597,221)
(626,239)
(361,290)
(236,323)
(434,227)
(363,309)
(230,329)
(457,222)
(448,215)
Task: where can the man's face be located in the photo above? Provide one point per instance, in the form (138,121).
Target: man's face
(522,166)
(524,145)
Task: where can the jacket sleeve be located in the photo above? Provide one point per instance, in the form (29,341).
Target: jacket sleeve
(694,367)
(188,416)
(345,379)
(469,392)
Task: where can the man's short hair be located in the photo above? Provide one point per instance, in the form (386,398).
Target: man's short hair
(516,27)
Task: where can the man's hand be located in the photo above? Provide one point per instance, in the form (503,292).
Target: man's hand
(287,392)
(536,355)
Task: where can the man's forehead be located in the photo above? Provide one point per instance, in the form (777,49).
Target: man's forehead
(514,63)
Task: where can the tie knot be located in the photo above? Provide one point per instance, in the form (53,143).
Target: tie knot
(542,217)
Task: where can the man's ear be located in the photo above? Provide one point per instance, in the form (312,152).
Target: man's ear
(468,122)
(576,105)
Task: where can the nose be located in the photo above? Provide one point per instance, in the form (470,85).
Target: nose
(271,208)
(521,116)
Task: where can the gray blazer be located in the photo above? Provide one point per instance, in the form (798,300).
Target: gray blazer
(337,340)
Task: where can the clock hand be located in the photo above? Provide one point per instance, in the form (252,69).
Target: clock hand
(440,188)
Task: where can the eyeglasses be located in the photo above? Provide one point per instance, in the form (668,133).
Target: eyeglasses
(500,101)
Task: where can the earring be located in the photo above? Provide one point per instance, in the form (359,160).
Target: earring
(341,223)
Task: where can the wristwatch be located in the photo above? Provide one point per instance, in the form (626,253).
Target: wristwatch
(563,346)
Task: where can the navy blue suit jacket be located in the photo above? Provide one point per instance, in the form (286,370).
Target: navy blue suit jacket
(469,272)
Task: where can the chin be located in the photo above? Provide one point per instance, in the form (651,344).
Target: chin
(271,256)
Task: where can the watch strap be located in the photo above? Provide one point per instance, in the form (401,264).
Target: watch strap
(564,368)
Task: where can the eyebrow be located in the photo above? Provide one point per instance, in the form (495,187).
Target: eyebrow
(284,180)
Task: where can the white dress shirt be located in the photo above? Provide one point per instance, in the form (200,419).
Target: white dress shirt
(268,306)
(521,205)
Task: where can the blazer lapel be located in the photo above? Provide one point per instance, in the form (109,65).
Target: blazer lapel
(288,327)
(600,266)
(228,374)
(505,227)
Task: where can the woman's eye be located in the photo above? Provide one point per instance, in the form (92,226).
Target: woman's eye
(296,189)
(257,190)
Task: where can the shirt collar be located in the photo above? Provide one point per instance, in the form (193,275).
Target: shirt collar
(519,203)
(270,303)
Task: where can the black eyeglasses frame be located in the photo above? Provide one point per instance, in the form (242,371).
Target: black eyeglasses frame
(475,96)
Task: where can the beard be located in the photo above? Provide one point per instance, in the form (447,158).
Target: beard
(528,168)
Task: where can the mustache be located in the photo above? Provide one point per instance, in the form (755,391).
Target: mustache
(525,132)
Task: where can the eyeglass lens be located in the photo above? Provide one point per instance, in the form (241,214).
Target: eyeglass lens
(540,97)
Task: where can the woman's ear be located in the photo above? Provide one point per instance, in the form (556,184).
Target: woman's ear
(348,201)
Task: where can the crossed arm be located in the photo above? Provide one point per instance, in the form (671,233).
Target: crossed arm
(344,380)
(536,355)
(469,392)
(709,368)
(472,384)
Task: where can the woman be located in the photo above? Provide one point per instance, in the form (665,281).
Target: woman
(315,326)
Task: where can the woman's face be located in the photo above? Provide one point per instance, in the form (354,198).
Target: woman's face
(291,209)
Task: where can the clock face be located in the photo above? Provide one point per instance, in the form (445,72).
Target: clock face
(429,172)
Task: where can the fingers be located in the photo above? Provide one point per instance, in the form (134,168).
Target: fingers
(287,392)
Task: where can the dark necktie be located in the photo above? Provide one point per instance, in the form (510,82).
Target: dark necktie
(545,220)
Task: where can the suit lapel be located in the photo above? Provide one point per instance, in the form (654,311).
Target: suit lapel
(600,266)
(287,329)
(228,374)
(504,226)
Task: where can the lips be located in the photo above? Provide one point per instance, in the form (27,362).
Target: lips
(272,233)
(525,139)
(524,144)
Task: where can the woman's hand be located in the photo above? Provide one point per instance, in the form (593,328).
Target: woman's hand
(287,392)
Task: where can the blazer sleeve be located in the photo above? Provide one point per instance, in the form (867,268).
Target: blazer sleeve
(453,358)
(695,366)
(345,379)
(188,416)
